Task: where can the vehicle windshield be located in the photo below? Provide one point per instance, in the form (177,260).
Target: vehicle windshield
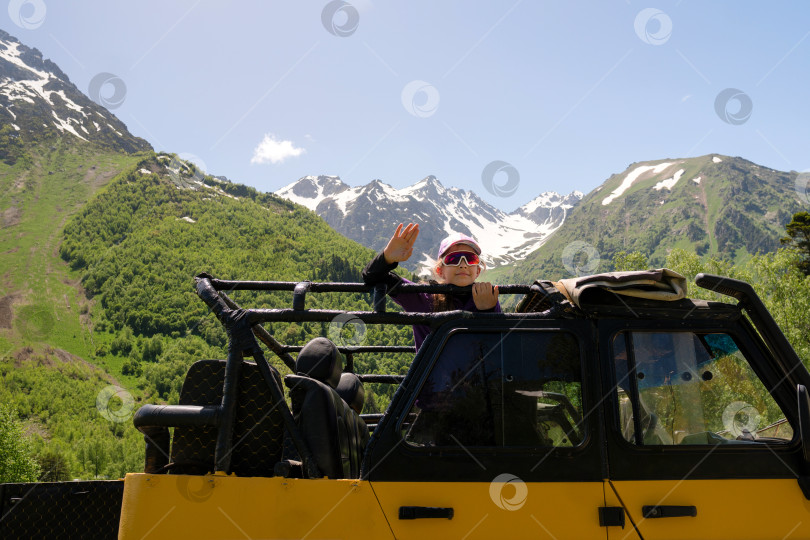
(691,388)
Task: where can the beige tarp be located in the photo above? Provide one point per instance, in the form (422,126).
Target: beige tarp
(661,284)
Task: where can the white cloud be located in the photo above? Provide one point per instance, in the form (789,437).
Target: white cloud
(274,151)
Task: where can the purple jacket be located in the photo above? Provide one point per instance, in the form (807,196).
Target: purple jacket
(379,271)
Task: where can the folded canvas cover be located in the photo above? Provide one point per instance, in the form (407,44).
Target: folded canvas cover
(661,284)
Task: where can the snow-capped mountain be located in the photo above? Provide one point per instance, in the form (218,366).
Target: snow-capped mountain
(369,215)
(38,101)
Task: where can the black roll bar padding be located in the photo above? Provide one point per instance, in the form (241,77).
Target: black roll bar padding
(378,297)
(321,287)
(371,317)
(154,422)
(355,349)
(230,388)
(238,325)
(300,294)
(264,336)
(775,340)
(149,416)
(209,295)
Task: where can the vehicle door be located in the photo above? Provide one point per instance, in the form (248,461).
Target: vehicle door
(701,433)
(494,434)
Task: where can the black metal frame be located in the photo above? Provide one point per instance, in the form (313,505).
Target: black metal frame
(243,327)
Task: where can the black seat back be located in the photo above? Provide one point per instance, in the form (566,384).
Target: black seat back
(258,428)
(332,430)
(350,388)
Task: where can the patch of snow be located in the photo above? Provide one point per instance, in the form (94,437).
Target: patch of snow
(717,159)
(35,85)
(669,182)
(98,128)
(219,191)
(343,198)
(544,199)
(393,193)
(15,91)
(696,180)
(115,130)
(186,218)
(62,125)
(13,116)
(549,199)
(15,126)
(68,102)
(631,177)
(144,171)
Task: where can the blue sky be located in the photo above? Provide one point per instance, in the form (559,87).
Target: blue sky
(567,93)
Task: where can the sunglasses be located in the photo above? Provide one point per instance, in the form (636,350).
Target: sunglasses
(454,259)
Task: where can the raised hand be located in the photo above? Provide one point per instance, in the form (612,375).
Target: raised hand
(400,247)
(484,295)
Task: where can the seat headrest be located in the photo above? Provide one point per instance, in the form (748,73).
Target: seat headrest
(319,359)
(350,388)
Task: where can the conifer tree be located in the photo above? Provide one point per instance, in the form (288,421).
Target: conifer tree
(798,237)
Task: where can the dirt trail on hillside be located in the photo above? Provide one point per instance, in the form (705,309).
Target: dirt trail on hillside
(705,204)
(6,313)
(10,217)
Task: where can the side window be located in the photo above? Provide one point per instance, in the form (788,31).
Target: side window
(691,388)
(510,389)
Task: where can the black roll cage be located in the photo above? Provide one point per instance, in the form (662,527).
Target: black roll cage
(243,328)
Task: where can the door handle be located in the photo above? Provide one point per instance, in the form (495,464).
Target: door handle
(422,512)
(656,511)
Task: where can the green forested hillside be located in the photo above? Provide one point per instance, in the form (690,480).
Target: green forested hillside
(139,243)
(719,206)
(103,297)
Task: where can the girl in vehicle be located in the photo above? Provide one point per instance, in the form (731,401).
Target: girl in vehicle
(458,263)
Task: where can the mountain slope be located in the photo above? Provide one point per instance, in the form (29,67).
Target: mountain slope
(722,206)
(138,244)
(369,215)
(38,103)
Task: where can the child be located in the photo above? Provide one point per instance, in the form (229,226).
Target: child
(457,263)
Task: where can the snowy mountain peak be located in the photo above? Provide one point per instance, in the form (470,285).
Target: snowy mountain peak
(38,101)
(550,199)
(310,190)
(369,214)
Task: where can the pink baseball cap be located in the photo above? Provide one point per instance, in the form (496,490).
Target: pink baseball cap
(458,238)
